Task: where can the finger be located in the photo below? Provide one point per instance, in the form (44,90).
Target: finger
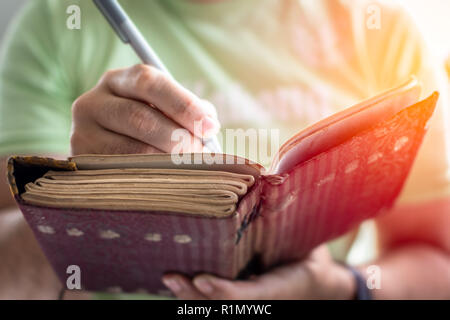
(321,253)
(286,282)
(209,108)
(221,289)
(107,142)
(152,86)
(142,122)
(182,287)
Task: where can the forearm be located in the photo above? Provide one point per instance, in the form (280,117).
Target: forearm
(415,271)
(6,200)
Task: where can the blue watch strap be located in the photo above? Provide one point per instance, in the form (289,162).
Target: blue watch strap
(362,291)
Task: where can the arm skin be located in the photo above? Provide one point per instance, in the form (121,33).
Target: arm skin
(6,200)
(415,252)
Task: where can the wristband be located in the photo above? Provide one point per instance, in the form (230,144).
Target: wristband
(362,291)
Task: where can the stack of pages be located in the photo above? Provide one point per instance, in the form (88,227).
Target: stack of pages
(204,192)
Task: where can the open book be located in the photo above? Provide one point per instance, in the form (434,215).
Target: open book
(125,220)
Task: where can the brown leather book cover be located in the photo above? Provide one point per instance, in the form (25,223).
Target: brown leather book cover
(328,179)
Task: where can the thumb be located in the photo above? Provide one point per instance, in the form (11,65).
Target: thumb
(221,289)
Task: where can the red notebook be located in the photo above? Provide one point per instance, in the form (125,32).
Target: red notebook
(131,218)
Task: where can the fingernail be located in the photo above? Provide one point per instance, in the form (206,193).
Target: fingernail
(210,127)
(204,285)
(208,108)
(172,284)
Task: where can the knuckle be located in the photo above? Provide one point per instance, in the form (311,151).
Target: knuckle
(142,73)
(85,105)
(107,76)
(185,104)
(136,118)
(185,107)
(148,79)
(78,106)
(139,68)
(143,122)
(151,128)
(76,140)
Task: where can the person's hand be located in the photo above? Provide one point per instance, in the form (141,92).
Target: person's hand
(316,277)
(136,110)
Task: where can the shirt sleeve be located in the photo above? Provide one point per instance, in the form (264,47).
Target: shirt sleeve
(392,53)
(35,95)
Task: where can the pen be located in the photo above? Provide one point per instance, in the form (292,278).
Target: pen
(129,33)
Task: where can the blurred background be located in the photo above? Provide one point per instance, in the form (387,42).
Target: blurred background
(8,9)
(430,15)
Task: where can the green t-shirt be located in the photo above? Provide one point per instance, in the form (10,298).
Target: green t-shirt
(268,64)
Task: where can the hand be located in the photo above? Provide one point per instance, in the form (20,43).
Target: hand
(316,277)
(136,110)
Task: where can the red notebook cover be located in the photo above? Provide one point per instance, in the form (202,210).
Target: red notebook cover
(349,168)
